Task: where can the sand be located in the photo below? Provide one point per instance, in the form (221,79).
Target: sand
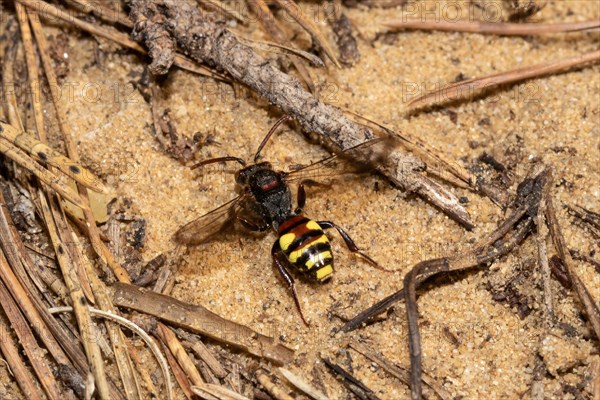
(475,346)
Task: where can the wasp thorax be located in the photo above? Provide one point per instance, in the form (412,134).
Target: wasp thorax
(243,175)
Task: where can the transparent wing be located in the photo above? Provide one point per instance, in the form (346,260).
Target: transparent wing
(204,228)
(359,159)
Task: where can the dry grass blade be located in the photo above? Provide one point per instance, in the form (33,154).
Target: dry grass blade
(217,391)
(596,379)
(117,37)
(43,153)
(180,377)
(494,28)
(296,13)
(18,257)
(302,385)
(198,319)
(401,373)
(423,149)
(466,89)
(8,80)
(32,75)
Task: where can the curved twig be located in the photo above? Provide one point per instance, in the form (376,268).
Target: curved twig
(162,362)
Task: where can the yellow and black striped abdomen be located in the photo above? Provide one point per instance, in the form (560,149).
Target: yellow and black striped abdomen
(306,247)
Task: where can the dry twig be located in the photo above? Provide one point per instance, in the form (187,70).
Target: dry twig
(399,372)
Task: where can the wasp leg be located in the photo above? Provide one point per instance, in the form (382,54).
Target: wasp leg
(301,197)
(276,254)
(350,243)
(252,226)
(301,194)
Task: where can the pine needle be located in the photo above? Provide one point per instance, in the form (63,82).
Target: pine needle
(466,89)
(493,28)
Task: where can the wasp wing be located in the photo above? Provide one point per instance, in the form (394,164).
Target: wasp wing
(204,228)
(364,157)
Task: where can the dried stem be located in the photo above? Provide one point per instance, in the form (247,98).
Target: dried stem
(41,152)
(589,305)
(179,374)
(22,159)
(530,195)
(194,343)
(22,375)
(217,392)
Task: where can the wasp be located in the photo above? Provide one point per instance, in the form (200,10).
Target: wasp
(265,202)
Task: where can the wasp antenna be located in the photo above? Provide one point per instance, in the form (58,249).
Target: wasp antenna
(216,160)
(271,131)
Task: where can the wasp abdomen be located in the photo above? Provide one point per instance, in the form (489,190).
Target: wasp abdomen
(306,247)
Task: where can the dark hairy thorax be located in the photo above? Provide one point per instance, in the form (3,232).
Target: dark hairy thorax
(270,191)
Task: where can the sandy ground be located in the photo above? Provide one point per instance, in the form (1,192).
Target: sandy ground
(475,346)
